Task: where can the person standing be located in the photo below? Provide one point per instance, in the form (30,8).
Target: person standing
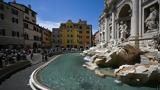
(46,58)
(43,57)
(31,55)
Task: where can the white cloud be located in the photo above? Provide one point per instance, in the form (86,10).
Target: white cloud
(94,31)
(48,24)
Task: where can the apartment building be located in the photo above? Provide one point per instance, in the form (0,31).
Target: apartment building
(11,26)
(46,38)
(73,35)
(32,31)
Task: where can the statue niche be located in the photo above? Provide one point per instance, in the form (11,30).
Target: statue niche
(152,19)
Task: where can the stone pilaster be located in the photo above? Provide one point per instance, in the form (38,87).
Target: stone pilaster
(106,37)
(113,25)
(135,22)
(117,31)
(108,30)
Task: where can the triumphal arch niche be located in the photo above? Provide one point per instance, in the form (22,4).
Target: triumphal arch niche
(124,21)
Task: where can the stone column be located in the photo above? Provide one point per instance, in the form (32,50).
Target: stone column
(117,31)
(113,25)
(100,39)
(108,30)
(106,37)
(135,22)
(99,33)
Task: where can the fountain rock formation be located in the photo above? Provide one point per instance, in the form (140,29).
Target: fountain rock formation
(134,66)
(115,56)
(138,74)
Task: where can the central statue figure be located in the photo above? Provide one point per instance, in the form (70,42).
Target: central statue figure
(123,31)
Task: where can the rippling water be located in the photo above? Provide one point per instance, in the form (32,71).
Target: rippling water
(67,73)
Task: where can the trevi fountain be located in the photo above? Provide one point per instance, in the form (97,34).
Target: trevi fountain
(127,56)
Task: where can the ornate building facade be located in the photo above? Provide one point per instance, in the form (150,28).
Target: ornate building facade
(136,21)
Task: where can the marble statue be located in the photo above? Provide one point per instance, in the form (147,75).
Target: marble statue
(123,31)
(150,21)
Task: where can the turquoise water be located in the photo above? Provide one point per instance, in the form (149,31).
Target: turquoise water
(67,73)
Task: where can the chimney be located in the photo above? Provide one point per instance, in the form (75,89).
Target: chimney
(29,6)
(14,1)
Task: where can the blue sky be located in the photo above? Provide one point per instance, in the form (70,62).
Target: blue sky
(53,12)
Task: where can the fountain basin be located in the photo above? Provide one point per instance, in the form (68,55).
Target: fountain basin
(67,73)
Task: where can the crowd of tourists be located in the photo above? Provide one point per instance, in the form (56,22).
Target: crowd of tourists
(11,56)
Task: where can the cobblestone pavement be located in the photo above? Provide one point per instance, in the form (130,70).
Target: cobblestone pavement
(20,80)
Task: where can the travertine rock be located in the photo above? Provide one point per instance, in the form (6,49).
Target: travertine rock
(138,74)
(126,54)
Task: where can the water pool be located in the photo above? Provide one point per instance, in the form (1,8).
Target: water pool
(66,73)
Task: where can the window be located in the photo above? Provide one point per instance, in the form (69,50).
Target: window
(80,31)
(53,41)
(17,34)
(75,46)
(2,16)
(40,30)
(1,6)
(80,36)
(33,14)
(34,28)
(27,18)
(25,25)
(2,32)
(33,21)
(80,42)
(13,33)
(35,38)
(87,37)
(68,46)
(87,32)
(67,41)
(15,12)
(88,27)
(26,36)
(80,27)
(26,11)
(14,20)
